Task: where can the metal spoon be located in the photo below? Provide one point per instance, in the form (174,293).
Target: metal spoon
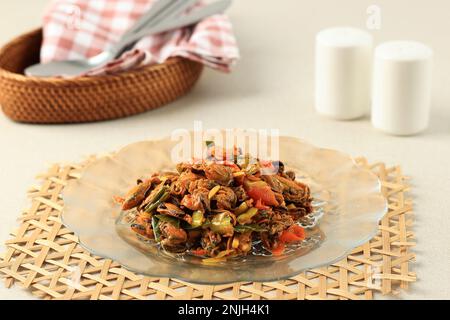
(150,18)
(182,21)
(76,67)
(172,8)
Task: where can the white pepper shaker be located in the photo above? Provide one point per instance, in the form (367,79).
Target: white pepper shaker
(343,72)
(402,87)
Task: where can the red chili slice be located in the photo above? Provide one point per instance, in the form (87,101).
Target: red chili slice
(278,249)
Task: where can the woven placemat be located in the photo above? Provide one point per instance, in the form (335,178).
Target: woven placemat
(45,257)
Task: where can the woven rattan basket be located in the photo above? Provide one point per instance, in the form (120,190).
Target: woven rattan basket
(53,100)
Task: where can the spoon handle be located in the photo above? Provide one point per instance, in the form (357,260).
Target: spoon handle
(157,9)
(170,24)
(157,13)
(177,8)
(171,10)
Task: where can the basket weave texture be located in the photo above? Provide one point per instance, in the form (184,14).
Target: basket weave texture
(45,257)
(86,99)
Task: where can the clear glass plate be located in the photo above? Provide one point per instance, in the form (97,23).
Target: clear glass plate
(347,200)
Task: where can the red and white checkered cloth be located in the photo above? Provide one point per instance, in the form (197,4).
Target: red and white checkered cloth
(75,29)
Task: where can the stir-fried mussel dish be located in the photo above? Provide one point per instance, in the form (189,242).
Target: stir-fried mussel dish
(217,208)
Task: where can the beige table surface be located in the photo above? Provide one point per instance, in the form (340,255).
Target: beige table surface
(270,88)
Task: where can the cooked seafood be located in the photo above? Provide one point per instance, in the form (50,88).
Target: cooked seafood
(218,208)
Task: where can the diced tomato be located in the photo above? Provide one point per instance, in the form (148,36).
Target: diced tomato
(293,234)
(278,249)
(298,231)
(260,206)
(259,190)
(289,237)
(199,252)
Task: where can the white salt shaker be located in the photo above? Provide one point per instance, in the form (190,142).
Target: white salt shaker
(343,72)
(402,87)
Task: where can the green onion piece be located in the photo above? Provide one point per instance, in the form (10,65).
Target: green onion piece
(221,224)
(291,206)
(161,196)
(197,219)
(155,227)
(213,192)
(206,224)
(251,169)
(155,198)
(172,220)
(247,216)
(249,227)
(242,208)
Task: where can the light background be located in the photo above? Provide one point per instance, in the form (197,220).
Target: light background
(272,87)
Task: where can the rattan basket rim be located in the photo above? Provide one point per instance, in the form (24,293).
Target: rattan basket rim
(78,81)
